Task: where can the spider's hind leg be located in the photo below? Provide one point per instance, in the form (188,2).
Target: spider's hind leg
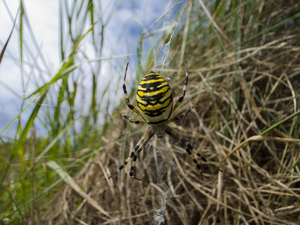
(126,95)
(184,87)
(131,120)
(183,114)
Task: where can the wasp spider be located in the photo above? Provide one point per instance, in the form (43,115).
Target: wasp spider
(155,103)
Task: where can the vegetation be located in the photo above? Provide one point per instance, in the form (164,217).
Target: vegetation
(243,59)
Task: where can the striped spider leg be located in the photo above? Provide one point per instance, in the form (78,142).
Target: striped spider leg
(137,149)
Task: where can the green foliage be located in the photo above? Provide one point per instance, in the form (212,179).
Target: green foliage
(25,178)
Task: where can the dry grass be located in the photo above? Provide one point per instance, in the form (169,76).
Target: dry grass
(243,92)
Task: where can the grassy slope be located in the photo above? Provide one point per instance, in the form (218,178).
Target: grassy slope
(243,66)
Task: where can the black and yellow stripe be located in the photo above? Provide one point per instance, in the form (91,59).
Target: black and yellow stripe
(154,98)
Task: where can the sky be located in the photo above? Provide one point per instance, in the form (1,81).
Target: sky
(43,17)
(121,35)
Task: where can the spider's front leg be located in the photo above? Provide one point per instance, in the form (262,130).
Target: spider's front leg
(137,149)
(187,146)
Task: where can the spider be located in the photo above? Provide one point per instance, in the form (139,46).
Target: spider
(155,103)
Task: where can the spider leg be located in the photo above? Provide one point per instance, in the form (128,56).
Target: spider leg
(183,114)
(187,146)
(131,120)
(184,88)
(137,149)
(126,95)
(189,149)
(133,166)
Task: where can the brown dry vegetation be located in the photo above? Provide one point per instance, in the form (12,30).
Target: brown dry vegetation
(246,85)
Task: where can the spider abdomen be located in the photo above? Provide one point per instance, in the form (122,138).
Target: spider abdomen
(154,98)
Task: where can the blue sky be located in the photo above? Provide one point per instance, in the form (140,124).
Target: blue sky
(121,37)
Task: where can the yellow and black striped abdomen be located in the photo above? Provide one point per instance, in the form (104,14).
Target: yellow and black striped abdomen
(154,98)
